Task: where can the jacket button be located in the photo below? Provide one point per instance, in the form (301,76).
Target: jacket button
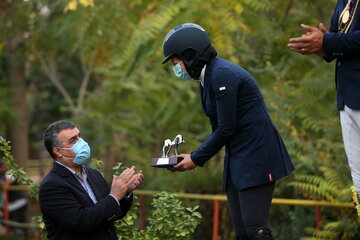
(339,63)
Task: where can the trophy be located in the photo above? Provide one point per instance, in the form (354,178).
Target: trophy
(165,161)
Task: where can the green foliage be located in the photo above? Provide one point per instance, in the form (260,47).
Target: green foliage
(22,177)
(142,101)
(118,169)
(169,220)
(315,186)
(330,186)
(97,164)
(133,103)
(344,229)
(17,172)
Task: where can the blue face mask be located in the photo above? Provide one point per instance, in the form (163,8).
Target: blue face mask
(181,73)
(82,152)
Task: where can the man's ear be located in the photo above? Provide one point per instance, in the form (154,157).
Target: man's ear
(57,152)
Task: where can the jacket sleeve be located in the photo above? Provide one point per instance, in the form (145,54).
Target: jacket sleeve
(125,202)
(225,89)
(337,44)
(61,203)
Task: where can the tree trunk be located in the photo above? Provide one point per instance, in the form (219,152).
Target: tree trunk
(19,131)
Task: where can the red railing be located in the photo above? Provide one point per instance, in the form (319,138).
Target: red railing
(6,211)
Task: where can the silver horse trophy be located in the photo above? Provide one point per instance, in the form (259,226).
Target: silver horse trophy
(165,161)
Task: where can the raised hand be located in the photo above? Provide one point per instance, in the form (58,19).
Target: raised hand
(323,28)
(137,180)
(311,42)
(121,184)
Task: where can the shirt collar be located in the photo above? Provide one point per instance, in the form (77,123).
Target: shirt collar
(72,171)
(202,75)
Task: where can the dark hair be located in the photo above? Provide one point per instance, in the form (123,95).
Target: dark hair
(51,134)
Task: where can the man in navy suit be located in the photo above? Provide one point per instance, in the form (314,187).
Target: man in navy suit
(342,43)
(75,200)
(256,156)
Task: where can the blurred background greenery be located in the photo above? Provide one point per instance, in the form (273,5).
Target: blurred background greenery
(98,64)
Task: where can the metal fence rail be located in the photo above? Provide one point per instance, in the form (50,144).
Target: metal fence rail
(279,201)
(216,198)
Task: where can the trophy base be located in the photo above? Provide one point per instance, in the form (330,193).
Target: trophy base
(165,162)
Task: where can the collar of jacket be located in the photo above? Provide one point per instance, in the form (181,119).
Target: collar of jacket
(64,171)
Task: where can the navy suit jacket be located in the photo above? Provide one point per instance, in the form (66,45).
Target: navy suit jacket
(69,212)
(345,48)
(255,152)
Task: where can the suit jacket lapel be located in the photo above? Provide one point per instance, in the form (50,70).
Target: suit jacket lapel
(70,178)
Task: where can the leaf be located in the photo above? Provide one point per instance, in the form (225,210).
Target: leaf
(71,6)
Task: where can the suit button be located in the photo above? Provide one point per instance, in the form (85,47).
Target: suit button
(339,63)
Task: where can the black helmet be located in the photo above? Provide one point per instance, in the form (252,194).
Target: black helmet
(183,37)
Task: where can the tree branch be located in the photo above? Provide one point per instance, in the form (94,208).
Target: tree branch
(50,71)
(85,81)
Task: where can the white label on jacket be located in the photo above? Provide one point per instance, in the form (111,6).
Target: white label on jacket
(222,88)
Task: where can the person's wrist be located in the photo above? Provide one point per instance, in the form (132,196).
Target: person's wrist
(123,195)
(118,195)
(115,198)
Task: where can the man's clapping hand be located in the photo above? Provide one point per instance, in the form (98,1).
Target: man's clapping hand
(126,182)
(137,180)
